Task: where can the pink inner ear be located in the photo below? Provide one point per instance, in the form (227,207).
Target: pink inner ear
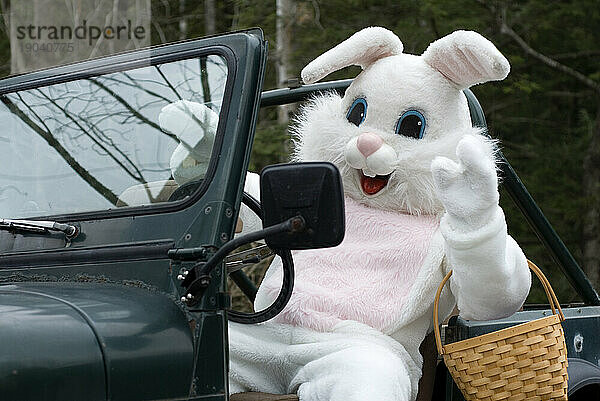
(458,73)
(466,58)
(370,55)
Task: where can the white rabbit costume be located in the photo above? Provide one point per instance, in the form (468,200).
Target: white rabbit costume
(421,198)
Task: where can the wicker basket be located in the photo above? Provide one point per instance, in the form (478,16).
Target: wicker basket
(523,362)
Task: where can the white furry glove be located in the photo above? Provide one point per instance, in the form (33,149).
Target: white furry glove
(468,189)
(490,275)
(195,125)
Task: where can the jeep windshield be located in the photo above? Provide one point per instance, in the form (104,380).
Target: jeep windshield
(127,138)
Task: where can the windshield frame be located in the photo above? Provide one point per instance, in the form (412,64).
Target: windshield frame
(125,62)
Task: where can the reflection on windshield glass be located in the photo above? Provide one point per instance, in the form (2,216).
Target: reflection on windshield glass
(123,139)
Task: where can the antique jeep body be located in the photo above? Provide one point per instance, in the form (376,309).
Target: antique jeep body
(105,293)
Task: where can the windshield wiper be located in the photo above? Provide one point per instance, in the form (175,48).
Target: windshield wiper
(40,226)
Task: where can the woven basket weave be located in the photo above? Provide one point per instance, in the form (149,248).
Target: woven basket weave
(523,362)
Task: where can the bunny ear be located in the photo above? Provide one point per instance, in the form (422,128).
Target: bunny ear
(467,58)
(362,48)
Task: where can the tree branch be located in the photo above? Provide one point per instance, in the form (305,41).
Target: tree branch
(569,94)
(5,9)
(505,29)
(53,142)
(131,109)
(575,55)
(139,177)
(315,5)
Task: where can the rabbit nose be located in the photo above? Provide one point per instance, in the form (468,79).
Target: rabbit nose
(368,143)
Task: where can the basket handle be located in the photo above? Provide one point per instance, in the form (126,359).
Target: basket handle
(552,300)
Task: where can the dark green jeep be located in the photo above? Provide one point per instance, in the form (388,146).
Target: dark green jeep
(113,281)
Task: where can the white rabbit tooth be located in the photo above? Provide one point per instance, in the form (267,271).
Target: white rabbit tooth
(369,173)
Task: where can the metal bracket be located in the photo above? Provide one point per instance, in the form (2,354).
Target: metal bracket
(188,254)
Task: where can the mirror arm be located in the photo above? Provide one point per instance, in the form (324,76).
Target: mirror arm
(198,278)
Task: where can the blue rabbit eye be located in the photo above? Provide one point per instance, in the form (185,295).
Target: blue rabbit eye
(411,124)
(357,112)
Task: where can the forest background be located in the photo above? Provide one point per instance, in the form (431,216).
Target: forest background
(546,113)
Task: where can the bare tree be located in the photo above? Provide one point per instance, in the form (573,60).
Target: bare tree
(183,26)
(210,15)
(5,9)
(285,10)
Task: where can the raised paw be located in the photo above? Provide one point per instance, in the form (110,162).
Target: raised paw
(468,189)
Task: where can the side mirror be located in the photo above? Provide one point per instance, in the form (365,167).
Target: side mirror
(303,208)
(310,190)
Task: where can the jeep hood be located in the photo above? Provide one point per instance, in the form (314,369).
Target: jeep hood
(92,341)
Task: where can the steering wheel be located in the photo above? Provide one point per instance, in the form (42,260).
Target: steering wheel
(249,289)
(185,190)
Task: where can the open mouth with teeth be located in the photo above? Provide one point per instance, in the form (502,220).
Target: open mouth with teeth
(372,185)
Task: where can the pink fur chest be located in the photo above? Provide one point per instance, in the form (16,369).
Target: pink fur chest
(366,278)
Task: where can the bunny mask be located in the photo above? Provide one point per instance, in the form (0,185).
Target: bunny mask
(398,114)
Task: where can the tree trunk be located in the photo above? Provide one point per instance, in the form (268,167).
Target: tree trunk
(283,27)
(5,9)
(209,17)
(591,222)
(183,28)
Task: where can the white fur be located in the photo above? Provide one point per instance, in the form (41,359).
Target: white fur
(351,362)
(449,173)
(251,222)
